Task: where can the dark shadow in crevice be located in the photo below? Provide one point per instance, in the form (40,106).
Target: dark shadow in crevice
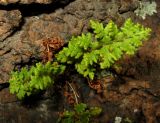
(4,85)
(36,9)
(32,61)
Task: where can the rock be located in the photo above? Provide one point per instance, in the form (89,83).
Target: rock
(43,112)
(9,20)
(26,43)
(22,32)
(157,107)
(149,112)
(7,2)
(133,85)
(127,5)
(6,96)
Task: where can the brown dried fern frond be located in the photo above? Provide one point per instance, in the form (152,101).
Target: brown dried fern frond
(51,45)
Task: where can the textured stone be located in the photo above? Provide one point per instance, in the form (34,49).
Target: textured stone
(6,96)
(43,112)
(26,44)
(21,37)
(133,84)
(9,20)
(149,112)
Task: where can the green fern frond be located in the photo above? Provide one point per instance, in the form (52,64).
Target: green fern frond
(87,52)
(26,82)
(104,47)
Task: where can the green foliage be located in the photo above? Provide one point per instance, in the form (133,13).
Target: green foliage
(104,47)
(26,82)
(81,114)
(88,52)
(128,120)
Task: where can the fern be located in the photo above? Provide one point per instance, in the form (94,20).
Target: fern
(80,114)
(27,82)
(75,49)
(88,52)
(104,47)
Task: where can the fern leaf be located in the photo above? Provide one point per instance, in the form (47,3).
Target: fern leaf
(85,40)
(98,28)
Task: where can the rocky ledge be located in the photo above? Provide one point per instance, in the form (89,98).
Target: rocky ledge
(24,24)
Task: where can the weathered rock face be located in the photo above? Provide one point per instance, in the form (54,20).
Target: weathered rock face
(44,112)
(26,42)
(22,31)
(9,21)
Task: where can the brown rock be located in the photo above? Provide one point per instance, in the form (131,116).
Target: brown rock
(8,21)
(127,5)
(6,96)
(149,112)
(133,84)
(132,102)
(41,29)
(113,96)
(25,44)
(157,108)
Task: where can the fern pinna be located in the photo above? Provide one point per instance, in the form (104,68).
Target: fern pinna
(104,47)
(30,81)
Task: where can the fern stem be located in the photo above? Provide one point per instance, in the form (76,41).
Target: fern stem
(76,96)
